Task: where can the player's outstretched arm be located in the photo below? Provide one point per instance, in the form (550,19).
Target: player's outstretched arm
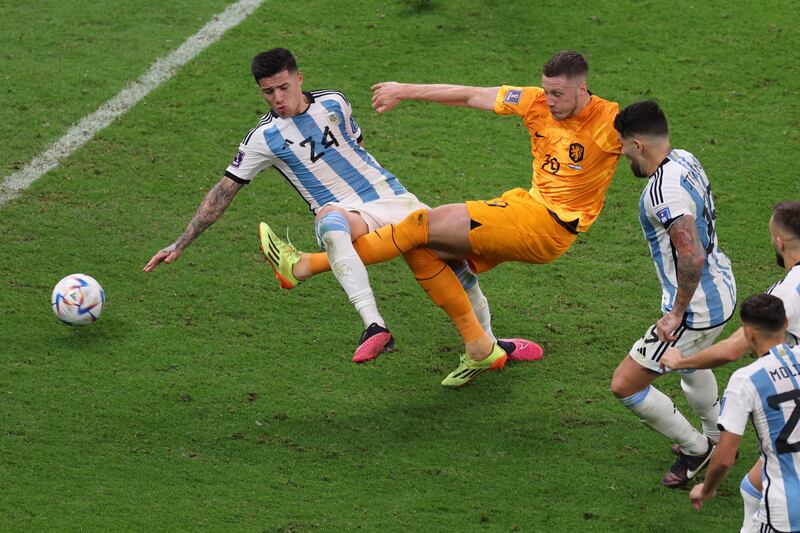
(731,349)
(211,208)
(388,94)
(721,462)
(689,262)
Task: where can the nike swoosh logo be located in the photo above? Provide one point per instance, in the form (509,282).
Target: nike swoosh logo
(537,134)
(691,473)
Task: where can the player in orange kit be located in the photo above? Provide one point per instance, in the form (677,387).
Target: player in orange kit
(575,152)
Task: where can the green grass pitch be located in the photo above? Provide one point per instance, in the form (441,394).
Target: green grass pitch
(207,399)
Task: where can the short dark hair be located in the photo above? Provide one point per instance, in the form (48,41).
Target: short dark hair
(271,62)
(765,312)
(642,118)
(787,216)
(566,63)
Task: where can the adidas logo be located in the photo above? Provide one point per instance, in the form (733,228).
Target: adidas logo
(469,373)
(272,253)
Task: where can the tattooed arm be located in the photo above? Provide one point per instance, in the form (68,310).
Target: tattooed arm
(211,208)
(689,262)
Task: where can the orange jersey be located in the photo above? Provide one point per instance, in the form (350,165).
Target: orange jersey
(573,159)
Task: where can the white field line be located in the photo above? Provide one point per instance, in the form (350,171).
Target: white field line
(160,71)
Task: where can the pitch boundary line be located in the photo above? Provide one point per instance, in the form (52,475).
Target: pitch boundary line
(160,71)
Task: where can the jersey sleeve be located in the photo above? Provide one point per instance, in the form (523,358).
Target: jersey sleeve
(351,125)
(736,404)
(515,100)
(666,200)
(788,290)
(605,135)
(250,159)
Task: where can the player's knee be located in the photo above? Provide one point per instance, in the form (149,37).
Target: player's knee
(330,222)
(619,386)
(747,487)
(634,400)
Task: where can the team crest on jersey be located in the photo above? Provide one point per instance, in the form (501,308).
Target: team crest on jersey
(238,159)
(664,215)
(512,96)
(333,118)
(576,152)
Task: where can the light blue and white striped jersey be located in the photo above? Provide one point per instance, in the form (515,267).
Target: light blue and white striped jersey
(680,187)
(788,290)
(318,153)
(768,390)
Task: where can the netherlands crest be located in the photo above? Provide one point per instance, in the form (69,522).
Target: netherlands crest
(576,152)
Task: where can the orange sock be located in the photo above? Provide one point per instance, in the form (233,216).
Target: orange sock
(444,289)
(319,263)
(384,243)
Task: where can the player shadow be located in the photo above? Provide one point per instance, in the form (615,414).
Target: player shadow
(425,417)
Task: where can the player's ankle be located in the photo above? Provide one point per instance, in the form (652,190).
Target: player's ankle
(302,269)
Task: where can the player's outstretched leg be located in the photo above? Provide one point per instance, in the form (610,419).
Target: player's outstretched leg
(631,385)
(516,349)
(335,237)
(468,369)
(280,255)
(376,246)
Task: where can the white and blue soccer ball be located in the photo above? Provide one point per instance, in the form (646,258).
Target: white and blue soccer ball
(78,300)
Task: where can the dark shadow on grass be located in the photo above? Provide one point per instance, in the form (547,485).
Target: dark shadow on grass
(425,417)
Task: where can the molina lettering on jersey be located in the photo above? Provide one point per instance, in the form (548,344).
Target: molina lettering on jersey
(767,391)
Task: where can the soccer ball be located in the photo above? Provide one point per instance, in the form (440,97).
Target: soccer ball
(78,300)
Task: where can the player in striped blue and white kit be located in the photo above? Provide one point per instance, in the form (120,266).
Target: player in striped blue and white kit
(313,141)
(768,393)
(676,212)
(784,229)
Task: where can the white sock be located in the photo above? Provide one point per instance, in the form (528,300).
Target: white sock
(700,388)
(347,267)
(752,500)
(655,409)
(479,303)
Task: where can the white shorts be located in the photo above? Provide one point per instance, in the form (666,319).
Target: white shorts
(385,211)
(648,350)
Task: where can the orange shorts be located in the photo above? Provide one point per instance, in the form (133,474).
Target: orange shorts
(514,227)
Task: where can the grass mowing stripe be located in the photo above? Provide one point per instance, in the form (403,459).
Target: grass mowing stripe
(159,72)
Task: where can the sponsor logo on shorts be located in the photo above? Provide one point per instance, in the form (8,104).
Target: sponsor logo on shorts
(238,159)
(664,215)
(575,167)
(512,96)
